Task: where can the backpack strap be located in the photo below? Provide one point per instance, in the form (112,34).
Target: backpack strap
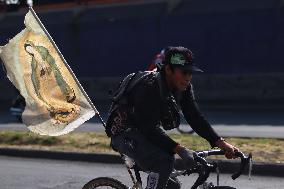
(122,87)
(136,79)
(170,108)
(128,83)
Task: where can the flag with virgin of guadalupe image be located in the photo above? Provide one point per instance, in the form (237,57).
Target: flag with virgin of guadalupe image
(56,103)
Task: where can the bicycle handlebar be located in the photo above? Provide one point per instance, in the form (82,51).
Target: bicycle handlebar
(244,159)
(204,168)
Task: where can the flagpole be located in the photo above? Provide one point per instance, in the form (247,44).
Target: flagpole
(68,67)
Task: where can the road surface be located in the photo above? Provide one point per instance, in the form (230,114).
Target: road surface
(28,173)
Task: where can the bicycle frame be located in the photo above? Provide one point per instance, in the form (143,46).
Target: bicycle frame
(203,168)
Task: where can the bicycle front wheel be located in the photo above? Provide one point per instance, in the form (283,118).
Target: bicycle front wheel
(103,183)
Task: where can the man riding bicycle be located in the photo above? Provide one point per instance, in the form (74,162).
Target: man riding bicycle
(147,101)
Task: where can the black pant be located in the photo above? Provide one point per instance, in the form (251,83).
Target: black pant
(149,157)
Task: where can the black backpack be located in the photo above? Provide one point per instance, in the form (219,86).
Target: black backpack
(120,108)
(119,105)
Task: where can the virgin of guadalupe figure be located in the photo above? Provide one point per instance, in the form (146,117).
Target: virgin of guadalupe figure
(49,85)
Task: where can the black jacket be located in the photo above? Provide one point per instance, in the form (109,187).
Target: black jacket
(148,101)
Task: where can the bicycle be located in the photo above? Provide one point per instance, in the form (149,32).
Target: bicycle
(203,169)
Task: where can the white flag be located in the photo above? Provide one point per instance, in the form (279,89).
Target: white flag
(55,101)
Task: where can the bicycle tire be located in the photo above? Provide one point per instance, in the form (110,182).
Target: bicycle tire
(223,187)
(104,182)
(185,132)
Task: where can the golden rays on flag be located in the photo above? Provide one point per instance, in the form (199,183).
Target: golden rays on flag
(55,101)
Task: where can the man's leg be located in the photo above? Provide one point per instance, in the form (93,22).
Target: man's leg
(148,156)
(159,174)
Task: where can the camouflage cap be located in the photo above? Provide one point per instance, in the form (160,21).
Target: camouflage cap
(181,57)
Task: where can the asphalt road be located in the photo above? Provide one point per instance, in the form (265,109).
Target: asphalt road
(28,173)
(243,123)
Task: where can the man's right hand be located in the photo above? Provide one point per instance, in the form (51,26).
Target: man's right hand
(186,155)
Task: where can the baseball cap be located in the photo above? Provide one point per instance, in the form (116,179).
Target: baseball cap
(181,57)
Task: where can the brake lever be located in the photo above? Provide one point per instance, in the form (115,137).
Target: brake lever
(244,162)
(250,166)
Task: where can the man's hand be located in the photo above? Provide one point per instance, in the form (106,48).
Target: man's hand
(186,155)
(227,148)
